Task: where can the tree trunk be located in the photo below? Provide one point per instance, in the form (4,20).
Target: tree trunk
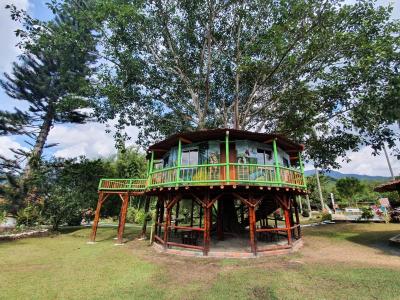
(36,154)
(41,139)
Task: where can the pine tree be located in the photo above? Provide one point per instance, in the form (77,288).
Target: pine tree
(52,75)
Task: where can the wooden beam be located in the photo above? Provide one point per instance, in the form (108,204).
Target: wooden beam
(186,140)
(97,217)
(124,209)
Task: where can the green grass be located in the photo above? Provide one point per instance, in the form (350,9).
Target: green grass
(65,267)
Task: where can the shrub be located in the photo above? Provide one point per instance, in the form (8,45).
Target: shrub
(326,216)
(367,213)
(305,213)
(74,220)
(2,216)
(140,216)
(130,215)
(29,216)
(395,215)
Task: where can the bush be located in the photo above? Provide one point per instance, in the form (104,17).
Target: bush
(140,216)
(395,215)
(130,215)
(305,213)
(29,216)
(326,216)
(2,216)
(74,220)
(367,213)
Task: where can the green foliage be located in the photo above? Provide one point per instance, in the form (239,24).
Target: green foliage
(52,76)
(29,216)
(130,215)
(367,213)
(140,216)
(268,65)
(130,163)
(69,188)
(3,215)
(348,187)
(327,186)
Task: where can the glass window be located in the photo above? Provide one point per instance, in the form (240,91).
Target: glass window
(157,165)
(285,163)
(165,161)
(190,157)
(263,156)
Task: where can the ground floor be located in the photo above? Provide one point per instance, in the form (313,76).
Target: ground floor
(345,261)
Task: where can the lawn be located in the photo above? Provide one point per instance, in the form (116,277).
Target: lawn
(349,261)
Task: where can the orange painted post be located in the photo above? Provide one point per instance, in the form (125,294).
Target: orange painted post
(96,217)
(205,235)
(252,229)
(124,209)
(287,222)
(296,211)
(166,226)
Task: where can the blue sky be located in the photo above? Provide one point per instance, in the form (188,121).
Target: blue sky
(92,140)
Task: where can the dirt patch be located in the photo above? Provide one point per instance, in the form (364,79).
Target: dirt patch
(323,250)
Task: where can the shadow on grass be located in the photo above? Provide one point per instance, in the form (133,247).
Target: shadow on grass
(362,234)
(104,232)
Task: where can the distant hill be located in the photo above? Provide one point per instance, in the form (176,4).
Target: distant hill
(338,175)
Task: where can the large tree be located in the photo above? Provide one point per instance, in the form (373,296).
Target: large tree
(52,76)
(322,72)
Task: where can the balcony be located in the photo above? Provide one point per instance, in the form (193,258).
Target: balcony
(227,174)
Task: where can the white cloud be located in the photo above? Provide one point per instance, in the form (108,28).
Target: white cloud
(6,143)
(364,163)
(8,50)
(88,139)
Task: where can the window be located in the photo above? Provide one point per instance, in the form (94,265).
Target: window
(165,161)
(190,157)
(285,163)
(158,164)
(264,156)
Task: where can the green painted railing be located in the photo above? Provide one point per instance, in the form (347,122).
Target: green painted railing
(216,174)
(211,174)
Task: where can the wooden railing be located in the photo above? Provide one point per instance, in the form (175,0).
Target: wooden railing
(122,184)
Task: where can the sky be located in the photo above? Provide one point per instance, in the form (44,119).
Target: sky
(92,140)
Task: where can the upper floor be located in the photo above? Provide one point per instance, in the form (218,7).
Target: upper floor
(219,157)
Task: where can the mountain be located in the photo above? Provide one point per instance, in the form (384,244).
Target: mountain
(338,175)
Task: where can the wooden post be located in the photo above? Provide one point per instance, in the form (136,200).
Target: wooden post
(96,217)
(191,214)
(252,229)
(220,226)
(205,235)
(200,216)
(277,165)
(176,215)
(166,225)
(241,214)
(161,216)
(146,211)
(207,225)
(287,222)
(124,208)
(296,211)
